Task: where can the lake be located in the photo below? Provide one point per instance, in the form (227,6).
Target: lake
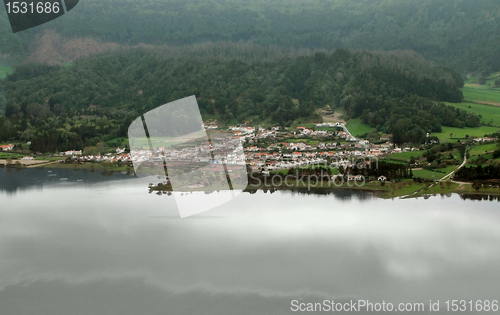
(80,243)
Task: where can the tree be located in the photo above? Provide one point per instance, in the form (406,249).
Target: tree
(90,151)
(12,110)
(101,147)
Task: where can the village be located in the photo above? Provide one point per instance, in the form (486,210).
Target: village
(329,144)
(262,149)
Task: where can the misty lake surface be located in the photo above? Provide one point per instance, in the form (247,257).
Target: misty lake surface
(80,243)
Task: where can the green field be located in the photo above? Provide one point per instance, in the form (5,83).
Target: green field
(405,156)
(434,174)
(4,71)
(483,95)
(5,155)
(490,81)
(357,128)
(482,149)
(461,133)
(489,113)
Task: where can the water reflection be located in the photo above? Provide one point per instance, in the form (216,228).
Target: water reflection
(114,249)
(479,197)
(338,194)
(13,180)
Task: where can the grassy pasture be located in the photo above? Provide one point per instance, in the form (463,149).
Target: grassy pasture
(460,133)
(434,174)
(6,155)
(405,156)
(482,149)
(489,113)
(483,95)
(428,174)
(357,128)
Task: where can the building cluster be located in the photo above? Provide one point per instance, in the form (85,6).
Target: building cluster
(334,155)
(224,150)
(278,155)
(281,149)
(7,147)
(110,158)
(299,152)
(485,139)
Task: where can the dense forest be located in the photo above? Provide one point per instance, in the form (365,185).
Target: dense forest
(59,107)
(461,34)
(479,173)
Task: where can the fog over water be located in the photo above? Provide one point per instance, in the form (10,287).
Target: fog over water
(104,245)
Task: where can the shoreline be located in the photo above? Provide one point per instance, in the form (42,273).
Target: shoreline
(382,192)
(58,164)
(403,189)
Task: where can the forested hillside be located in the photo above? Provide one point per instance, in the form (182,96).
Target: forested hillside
(461,34)
(57,107)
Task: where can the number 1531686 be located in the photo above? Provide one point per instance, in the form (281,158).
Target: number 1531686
(14,7)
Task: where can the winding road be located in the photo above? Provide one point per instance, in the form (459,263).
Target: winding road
(442,179)
(453,172)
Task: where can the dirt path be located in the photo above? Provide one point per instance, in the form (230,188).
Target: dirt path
(486,103)
(455,170)
(43,164)
(30,163)
(330,116)
(442,179)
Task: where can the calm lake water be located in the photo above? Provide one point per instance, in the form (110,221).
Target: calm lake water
(82,243)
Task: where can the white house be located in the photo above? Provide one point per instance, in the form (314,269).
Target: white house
(7,147)
(382,178)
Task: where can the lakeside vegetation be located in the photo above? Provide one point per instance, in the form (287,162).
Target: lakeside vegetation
(15,160)
(401,189)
